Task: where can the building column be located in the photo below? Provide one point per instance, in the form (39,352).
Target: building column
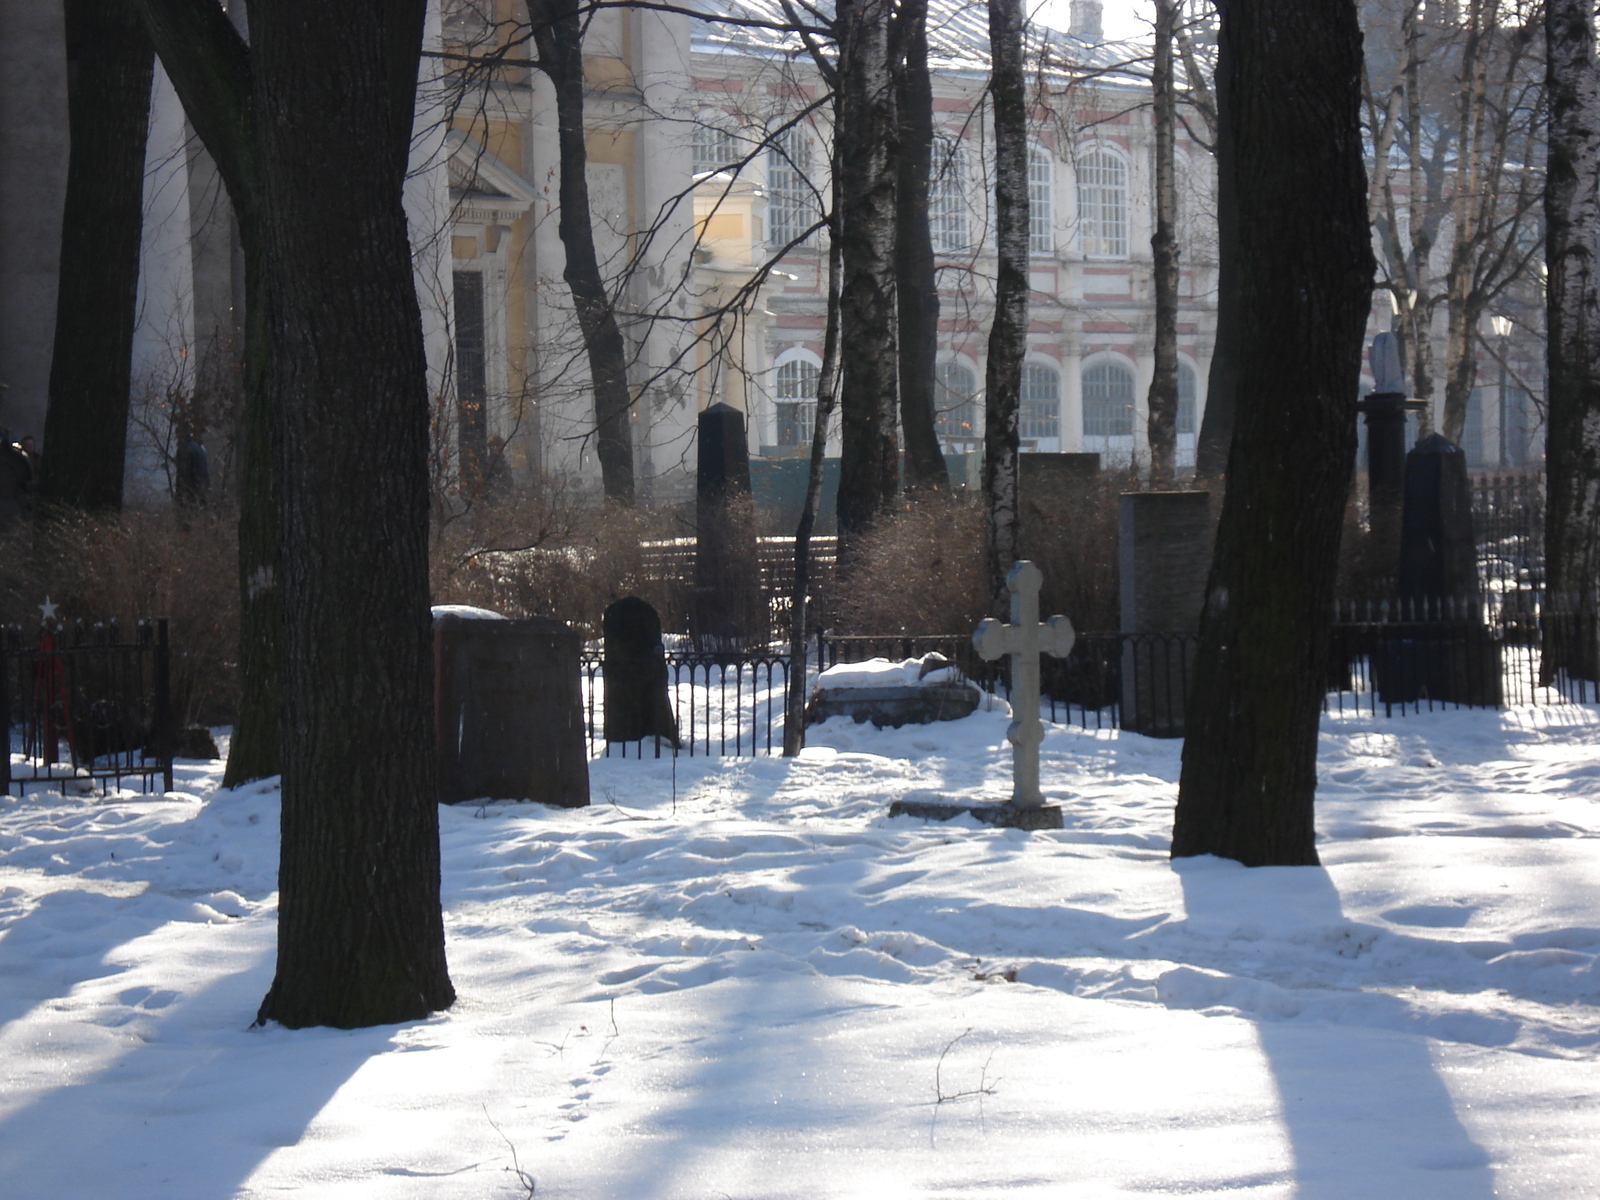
(1071,387)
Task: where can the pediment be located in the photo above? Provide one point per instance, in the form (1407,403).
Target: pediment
(480,180)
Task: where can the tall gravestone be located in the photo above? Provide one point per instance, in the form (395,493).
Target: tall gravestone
(1164,543)
(508,711)
(636,701)
(1384,411)
(726,570)
(1441,650)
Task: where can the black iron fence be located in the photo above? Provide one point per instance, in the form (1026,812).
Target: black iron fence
(86,707)
(723,704)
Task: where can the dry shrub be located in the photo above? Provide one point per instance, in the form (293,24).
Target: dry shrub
(917,571)
(921,570)
(1073,538)
(175,563)
(544,552)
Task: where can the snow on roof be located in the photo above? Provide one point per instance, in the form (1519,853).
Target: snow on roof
(958,37)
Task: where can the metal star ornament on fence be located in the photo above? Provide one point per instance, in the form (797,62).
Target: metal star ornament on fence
(47,611)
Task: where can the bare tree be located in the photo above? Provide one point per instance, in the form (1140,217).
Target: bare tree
(1290,82)
(1162,422)
(360,934)
(1452,112)
(918,289)
(108,109)
(557,31)
(866,143)
(1572,225)
(1009,332)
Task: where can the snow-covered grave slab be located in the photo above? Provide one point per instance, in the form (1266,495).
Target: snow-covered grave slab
(745,980)
(913,691)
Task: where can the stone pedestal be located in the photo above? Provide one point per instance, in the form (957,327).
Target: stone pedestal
(1438,555)
(1164,543)
(508,711)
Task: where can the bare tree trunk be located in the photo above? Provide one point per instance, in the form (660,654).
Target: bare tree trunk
(1305,276)
(794,726)
(1216,426)
(558,34)
(866,140)
(1008,336)
(918,289)
(360,935)
(1416,312)
(108,109)
(1162,420)
(209,65)
(1572,224)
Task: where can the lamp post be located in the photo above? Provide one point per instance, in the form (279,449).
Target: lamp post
(1502,331)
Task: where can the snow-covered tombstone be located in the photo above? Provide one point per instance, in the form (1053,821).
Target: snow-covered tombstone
(508,709)
(914,692)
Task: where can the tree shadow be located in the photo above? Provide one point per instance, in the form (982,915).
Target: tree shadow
(191,1107)
(1364,1109)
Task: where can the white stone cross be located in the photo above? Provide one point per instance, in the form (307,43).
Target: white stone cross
(1024,640)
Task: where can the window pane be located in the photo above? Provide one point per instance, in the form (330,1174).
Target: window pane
(1041,403)
(796,388)
(1041,201)
(714,147)
(947,196)
(1108,401)
(955,401)
(790,207)
(1103,204)
(1185,398)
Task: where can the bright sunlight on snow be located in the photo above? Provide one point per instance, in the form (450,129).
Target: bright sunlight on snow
(738,978)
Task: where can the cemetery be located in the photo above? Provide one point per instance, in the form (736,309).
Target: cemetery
(688,965)
(532,666)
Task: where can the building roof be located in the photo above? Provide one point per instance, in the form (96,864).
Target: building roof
(958,38)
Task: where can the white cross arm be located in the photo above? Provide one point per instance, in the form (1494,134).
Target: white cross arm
(1058,637)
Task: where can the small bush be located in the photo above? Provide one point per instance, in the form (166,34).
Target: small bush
(181,564)
(544,552)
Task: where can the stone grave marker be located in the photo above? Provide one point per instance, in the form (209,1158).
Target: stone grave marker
(636,701)
(1022,640)
(726,574)
(1164,544)
(508,709)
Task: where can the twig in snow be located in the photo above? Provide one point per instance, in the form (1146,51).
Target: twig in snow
(984,1088)
(615,1032)
(524,1180)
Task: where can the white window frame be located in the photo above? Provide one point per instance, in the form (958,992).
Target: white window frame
(807,367)
(712,133)
(1034,422)
(1041,199)
(947,419)
(791,198)
(1103,178)
(947,196)
(1115,448)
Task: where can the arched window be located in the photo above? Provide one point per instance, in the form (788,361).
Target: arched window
(1185,398)
(715,146)
(791,201)
(1103,204)
(947,196)
(1041,200)
(1107,401)
(955,401)
(1041,403)
(796,395)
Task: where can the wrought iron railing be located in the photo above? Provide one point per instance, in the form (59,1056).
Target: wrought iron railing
(724,704)
(86,708)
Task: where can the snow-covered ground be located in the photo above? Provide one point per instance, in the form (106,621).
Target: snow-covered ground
(739,979)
